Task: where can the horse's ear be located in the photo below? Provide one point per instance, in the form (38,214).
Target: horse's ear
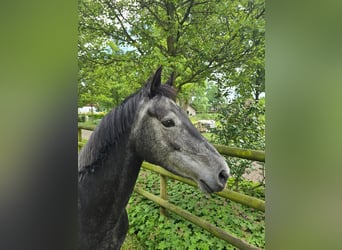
(156,81)
(171,79)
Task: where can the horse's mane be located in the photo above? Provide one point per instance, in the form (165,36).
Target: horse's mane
(118,122)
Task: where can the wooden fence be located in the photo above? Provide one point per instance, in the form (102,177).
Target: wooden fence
(228,194)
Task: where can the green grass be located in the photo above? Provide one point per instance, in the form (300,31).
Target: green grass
(132,243)
(90,122)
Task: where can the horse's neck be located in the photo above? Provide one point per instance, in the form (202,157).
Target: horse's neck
(122,168)
(104,193)
(109,187)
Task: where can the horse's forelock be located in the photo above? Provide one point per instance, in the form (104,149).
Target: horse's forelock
(167,91)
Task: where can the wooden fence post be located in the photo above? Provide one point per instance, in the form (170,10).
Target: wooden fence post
(163,193)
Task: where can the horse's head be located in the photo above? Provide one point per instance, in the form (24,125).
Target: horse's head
(163,134)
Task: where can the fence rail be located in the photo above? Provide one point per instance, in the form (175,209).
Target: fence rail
(249,154)
(258,204)
(228,194)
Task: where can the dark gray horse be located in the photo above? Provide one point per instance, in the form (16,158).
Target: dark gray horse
(146,126)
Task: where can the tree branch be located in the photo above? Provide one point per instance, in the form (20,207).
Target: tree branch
(187,13)
(260,14)
(128,36)
(146,5)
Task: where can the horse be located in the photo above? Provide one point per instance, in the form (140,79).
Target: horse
(148,126)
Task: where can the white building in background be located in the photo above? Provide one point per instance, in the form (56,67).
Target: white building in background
(87,109)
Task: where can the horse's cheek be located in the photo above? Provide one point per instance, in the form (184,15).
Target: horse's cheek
(143,142)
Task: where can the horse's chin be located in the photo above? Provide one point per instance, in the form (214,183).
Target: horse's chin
(205,188)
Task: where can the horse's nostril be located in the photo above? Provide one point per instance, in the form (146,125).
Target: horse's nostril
(223,176)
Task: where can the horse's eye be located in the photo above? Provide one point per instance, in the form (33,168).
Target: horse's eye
(168,123)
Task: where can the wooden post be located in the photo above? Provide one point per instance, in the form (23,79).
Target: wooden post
(163,193)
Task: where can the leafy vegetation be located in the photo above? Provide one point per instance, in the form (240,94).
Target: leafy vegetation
(122,42)
(242,124)
(150,230)
(132,243)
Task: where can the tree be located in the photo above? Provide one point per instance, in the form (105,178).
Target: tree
(242,125)
(121,42)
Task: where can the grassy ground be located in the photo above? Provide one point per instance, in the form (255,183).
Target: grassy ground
(90,122)
(132,243)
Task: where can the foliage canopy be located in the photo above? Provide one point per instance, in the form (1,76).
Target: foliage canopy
(121,42)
